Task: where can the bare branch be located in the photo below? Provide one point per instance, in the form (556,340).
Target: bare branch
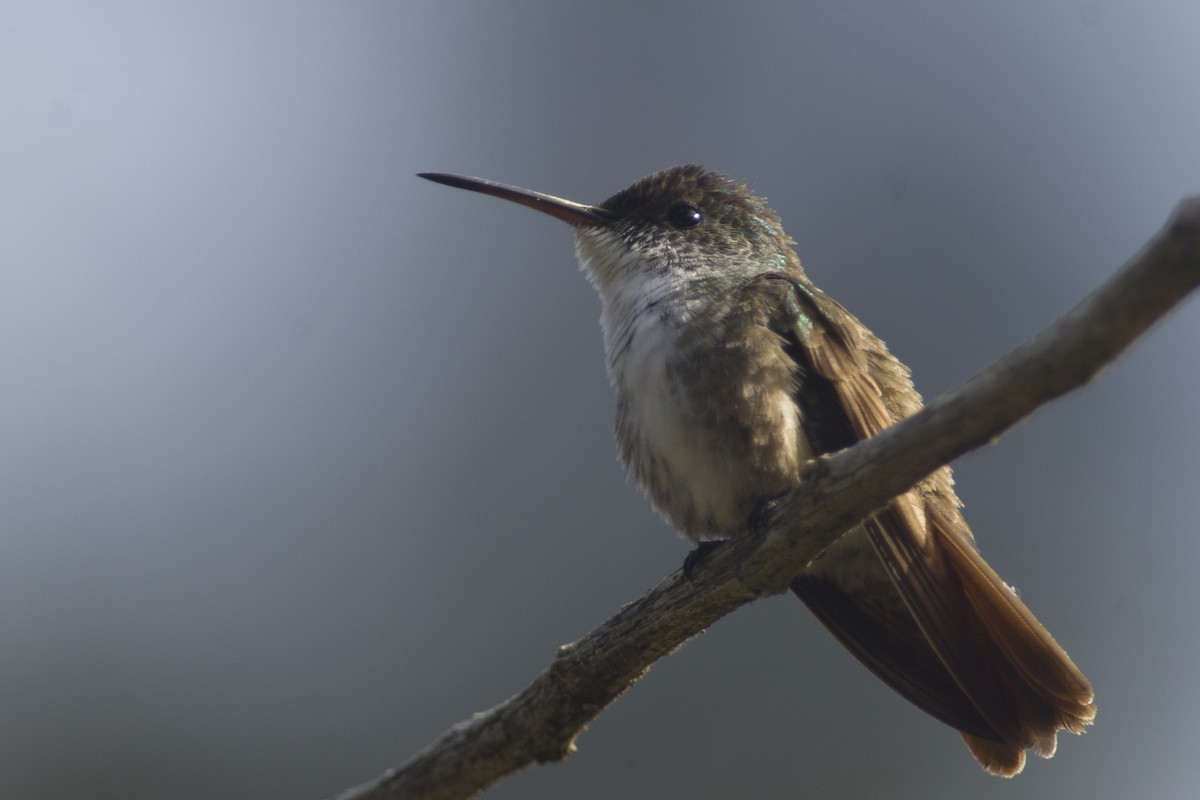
(837,493)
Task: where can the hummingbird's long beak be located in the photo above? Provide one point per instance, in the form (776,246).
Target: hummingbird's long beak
(568,211)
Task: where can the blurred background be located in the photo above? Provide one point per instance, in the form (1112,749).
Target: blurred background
(303,459)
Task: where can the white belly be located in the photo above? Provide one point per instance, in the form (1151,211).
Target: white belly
(704,468)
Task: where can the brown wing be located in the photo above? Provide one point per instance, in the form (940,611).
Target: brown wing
(972,654)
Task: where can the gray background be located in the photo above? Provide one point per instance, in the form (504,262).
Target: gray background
(305,459)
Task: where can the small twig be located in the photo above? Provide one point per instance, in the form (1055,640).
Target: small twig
(837,493)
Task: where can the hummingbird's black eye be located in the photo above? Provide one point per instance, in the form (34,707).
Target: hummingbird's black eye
(685,216)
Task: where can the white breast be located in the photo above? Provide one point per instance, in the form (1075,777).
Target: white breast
(682,460)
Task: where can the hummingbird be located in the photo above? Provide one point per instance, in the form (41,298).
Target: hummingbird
(731,370)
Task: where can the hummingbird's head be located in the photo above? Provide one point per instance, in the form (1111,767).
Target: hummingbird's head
(676,228)
(683,223)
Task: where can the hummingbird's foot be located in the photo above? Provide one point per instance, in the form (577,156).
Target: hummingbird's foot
(762,513)
(696,557)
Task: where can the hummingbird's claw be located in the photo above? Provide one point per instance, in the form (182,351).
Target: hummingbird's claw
(696,557)
(760,517)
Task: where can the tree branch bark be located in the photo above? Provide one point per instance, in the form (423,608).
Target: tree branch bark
(837,492)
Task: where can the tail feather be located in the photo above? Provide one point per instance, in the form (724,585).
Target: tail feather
(998,758)
(969,652)
(1063,697)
